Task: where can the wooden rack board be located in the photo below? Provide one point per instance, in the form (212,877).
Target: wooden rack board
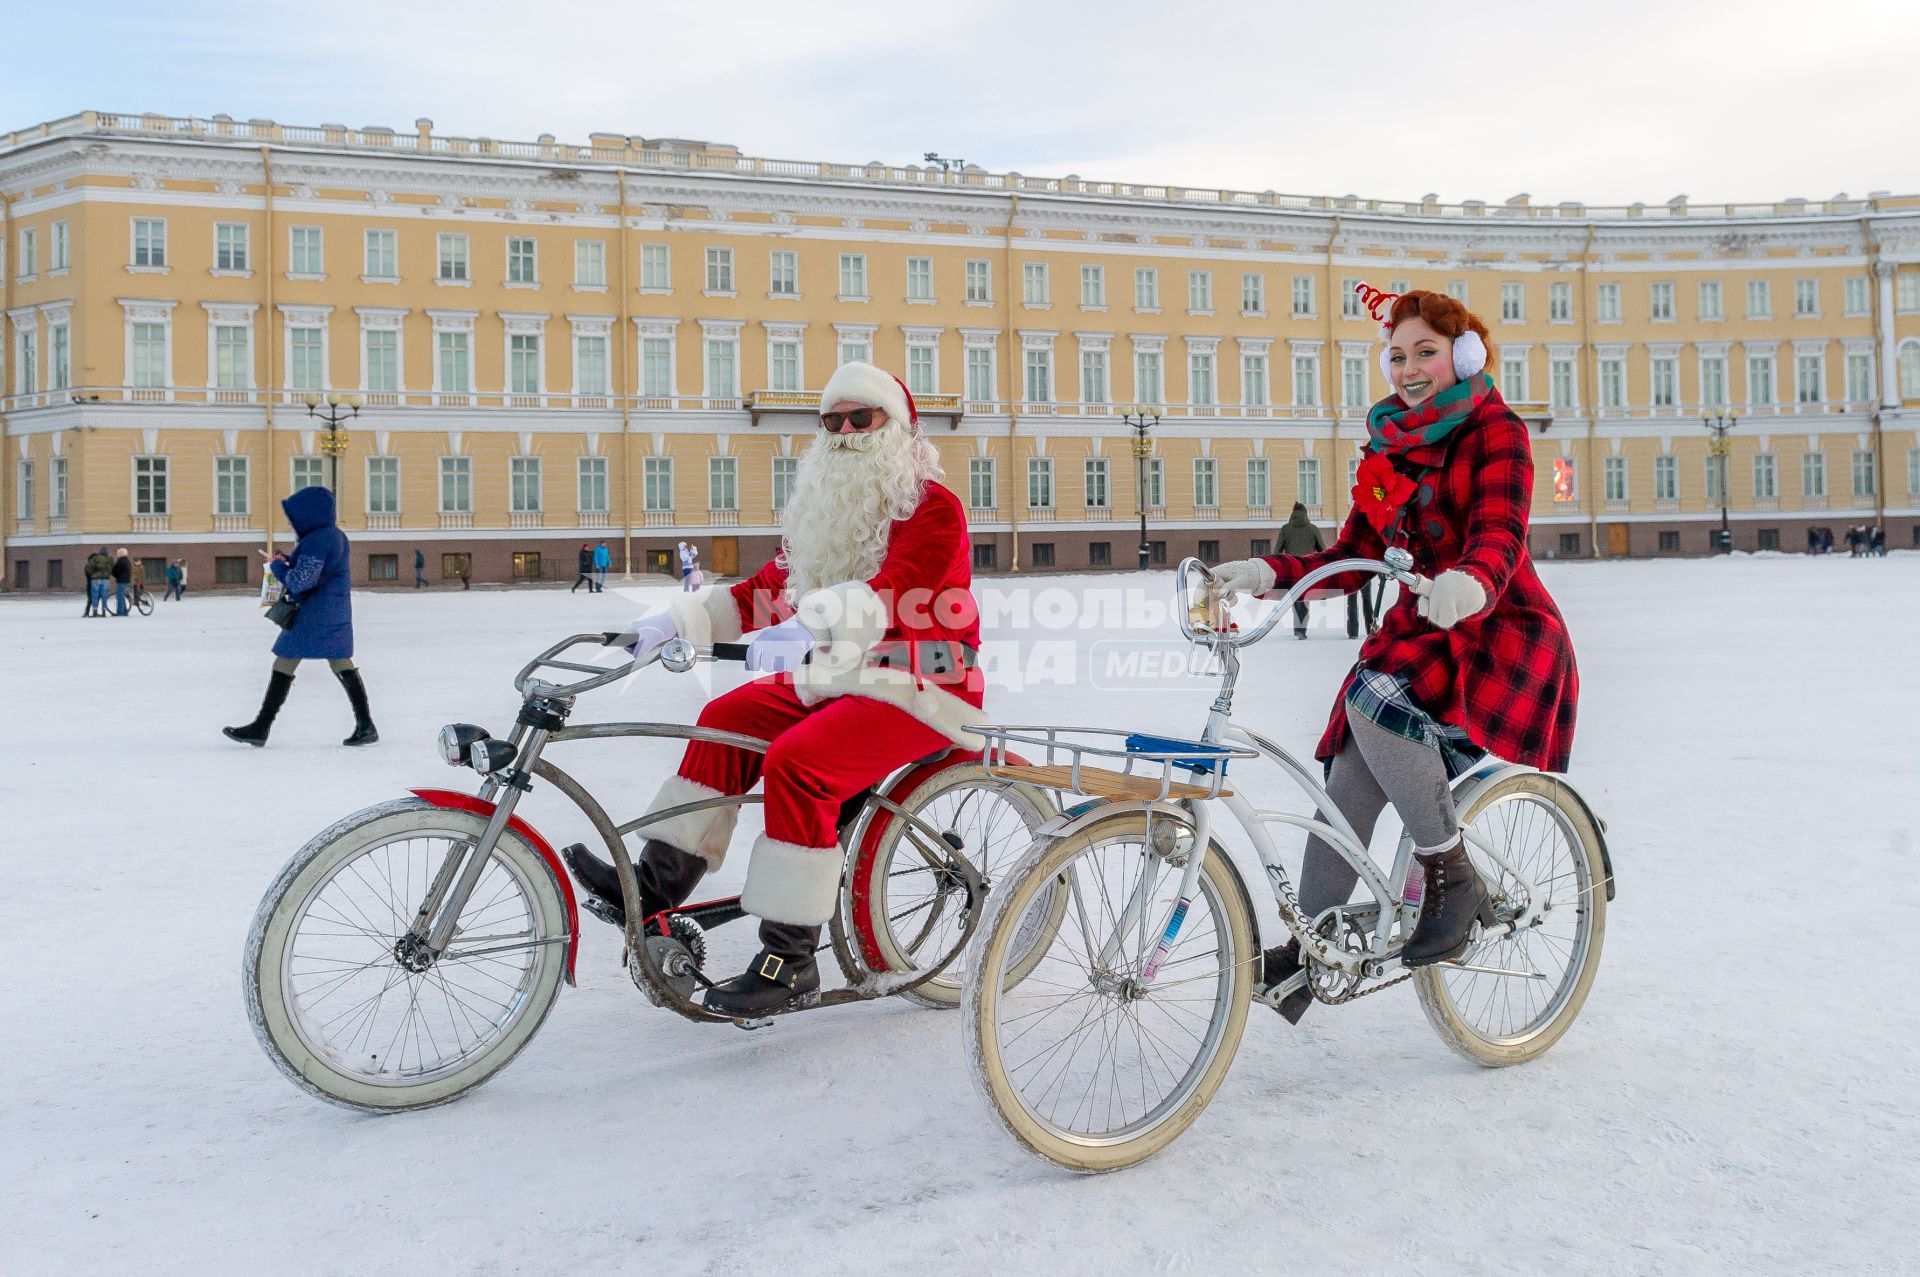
(1102,783)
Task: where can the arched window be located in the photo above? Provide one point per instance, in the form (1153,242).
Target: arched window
(1910,370)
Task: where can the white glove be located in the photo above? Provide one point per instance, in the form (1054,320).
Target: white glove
(649,634)
(1452,598)
(780,647)
(1245,576)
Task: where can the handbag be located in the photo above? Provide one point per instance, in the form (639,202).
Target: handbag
(282,611)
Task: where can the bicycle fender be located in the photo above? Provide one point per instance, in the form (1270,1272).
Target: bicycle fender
(452,800)
(1487,774)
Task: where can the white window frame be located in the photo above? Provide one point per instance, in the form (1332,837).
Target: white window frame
(456,473)
(719,279)
(153,231)
(159,498)
(1613,478)
(1306,475)
(592,488)
(590,265)
(525,485)
(1606,303)
(981,493)
(1660,305)
(723,485)
(656,269)
(1206,483)
(1200,292)
(232,249)
(920,280)
(306,252)
(453,262)
(382,482)
(380,246)
(1146,290)
(786,472)
(1759,299)
(1096,480)
(1513,302)
(1036,285)
(783,274)
(1093,287)
(1259,484)
(656,484)
(1040,495)
(1560,302)
(1203,376)
(1303,299)
(854,286)
(979,282)
(664,334)
(1711,297)
(523,262)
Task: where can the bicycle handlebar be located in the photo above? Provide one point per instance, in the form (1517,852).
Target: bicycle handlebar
(677,655)
(1398,564)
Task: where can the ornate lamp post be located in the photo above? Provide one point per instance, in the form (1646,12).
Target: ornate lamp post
(333,443)
(1142,419)
(1719,447)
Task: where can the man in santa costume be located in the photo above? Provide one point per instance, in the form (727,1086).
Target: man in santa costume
(868,631)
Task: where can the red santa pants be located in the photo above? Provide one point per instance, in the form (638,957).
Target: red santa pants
(821,754)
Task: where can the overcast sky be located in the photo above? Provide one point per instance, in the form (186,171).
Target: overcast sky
(1477,99)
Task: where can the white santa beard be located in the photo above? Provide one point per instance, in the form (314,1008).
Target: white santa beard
(848,491)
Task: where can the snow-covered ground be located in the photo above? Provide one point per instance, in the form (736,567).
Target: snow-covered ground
(1740,1094)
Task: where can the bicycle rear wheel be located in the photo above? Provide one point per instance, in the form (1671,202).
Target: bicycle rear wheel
(1084,1061)
(143,603)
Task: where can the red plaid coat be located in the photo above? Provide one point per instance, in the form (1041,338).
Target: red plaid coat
(1506,674)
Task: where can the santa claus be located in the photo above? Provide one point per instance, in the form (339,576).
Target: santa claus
(868,630)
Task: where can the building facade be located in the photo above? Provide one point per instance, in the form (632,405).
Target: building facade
(624,340)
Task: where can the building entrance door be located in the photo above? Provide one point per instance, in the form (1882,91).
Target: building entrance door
(726,557)
(657,562)
(1617,543)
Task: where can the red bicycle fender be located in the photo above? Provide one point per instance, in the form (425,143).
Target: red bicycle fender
(454,801)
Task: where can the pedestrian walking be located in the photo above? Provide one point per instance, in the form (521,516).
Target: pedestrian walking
(122,578)
(419,568)
(602,560)
(176,581)
(99,572)
(1298,536)
(687,556)
(316,579)
(1877,543)
(585,566)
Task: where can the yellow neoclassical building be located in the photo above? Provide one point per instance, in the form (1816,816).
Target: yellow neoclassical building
(622,340)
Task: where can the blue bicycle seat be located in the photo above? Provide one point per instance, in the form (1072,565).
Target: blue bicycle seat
(1195,756)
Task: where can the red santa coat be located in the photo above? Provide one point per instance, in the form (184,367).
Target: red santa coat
(1505,674)
(907,636)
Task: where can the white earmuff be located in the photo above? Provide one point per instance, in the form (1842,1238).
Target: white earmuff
(1469,356)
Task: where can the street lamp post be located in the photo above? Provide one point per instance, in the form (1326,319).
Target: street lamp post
(1719,447)
(333,443)
(1141,419)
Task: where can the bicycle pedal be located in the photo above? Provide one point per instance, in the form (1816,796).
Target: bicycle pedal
(601,909)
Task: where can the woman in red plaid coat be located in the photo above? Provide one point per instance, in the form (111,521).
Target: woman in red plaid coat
(1481,665)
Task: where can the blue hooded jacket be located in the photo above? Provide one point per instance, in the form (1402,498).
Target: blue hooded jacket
(316,576)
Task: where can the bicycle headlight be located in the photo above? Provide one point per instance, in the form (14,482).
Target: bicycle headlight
(493,755)
(457,741)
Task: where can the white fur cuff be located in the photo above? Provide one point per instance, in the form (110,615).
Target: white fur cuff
(792,884)
(707,616)
(848,613)
(704,833)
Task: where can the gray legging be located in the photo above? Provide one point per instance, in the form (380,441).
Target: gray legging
(288,664)
(1373,768)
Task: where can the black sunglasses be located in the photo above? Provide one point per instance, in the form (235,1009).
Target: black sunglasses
(859,419)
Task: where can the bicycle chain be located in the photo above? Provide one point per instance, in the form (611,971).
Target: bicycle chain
(1290,903)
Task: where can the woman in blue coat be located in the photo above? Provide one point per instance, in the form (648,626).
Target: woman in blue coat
(316,577)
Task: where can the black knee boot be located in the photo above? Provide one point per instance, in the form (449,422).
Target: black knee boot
(363,729)
(1455,899)
(255,733)
(666,874)
(781,975)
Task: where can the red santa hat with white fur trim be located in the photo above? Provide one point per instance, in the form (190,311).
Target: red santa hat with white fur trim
(864,384)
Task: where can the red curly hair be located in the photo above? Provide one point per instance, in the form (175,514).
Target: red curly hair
(1443,314)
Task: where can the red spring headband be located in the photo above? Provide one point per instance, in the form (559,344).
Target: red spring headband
(1373,299)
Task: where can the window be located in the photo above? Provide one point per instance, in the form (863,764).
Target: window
(1099,554)
(1353,473)
(1716,470)
(383,567)
(590,364)
(1666,381)
(1200,377)
(1093,286)
(593,485)
(1253,293)
(230,246)
(654,274)
(1200,291)
(719,270)
(785,471)
(1512,303)
(26,363)
(1614,476)
(1906,291)
(656,478)
(1809,372)
(1765,481)
(1769,539)
(1093,375)
(1669,543)
(306,357)
(1353,381)
(1711,302)
(853,275)
(656,366)
(1146,288)
(308,472)
(922,360)
(1613,382)
(1863,484)
(1606,307)
(1156,490)
(455,364)
(1570,543)
(60,479)
(1759,299)
(150,242)
(920,279)
(1513,378)
(523,364)
(1259,490)
(1146,376)
(1859,378)
(521,267)
(722,374)
(1856,295)
(1760,379)
(1033,283)
(453,256)
(1910,371)
(150,485)
(983,556)
(723,483)
(305,257)
(1306,378)
(1254,390)
(1206,483)
(980,483)
(57,500)
(1806,298)
(1040,483)
(1303,296)
(149,355)
(589,263)
(1666,478)
(1563,374)
(1349,298)
(524,485)
(857,348)
(1307,476)
(1660,301)
(63,247)
(979,280)
(29,263)
(783,366)
(24,496)
(59,357)
(383,485)
(382,359)
(980,374)
(1813,474)
(1099,497)
(1040,554)
(1210,551)
(230,486)
(1039,379)
(230,569)
(783,273)
(1565,484)
(381,255)
(526,565)
(1560,303)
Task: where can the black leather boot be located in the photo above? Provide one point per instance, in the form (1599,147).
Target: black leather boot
(255,733)
(667,876)
(771,983)
(1276,967)
(1455,899)
(363,729)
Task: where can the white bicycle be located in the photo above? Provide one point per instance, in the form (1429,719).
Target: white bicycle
(1109,983)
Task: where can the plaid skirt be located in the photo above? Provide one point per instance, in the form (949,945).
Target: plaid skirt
(1383,699)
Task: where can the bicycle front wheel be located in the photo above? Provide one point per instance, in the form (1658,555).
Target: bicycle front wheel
(143,603)
(1085,1060)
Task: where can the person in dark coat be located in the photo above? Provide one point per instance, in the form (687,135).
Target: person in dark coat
(1877,542)
(316,578)
(419,569)
(584,565)
(99,572)
(176,581)
(122,578)
(1298,536)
